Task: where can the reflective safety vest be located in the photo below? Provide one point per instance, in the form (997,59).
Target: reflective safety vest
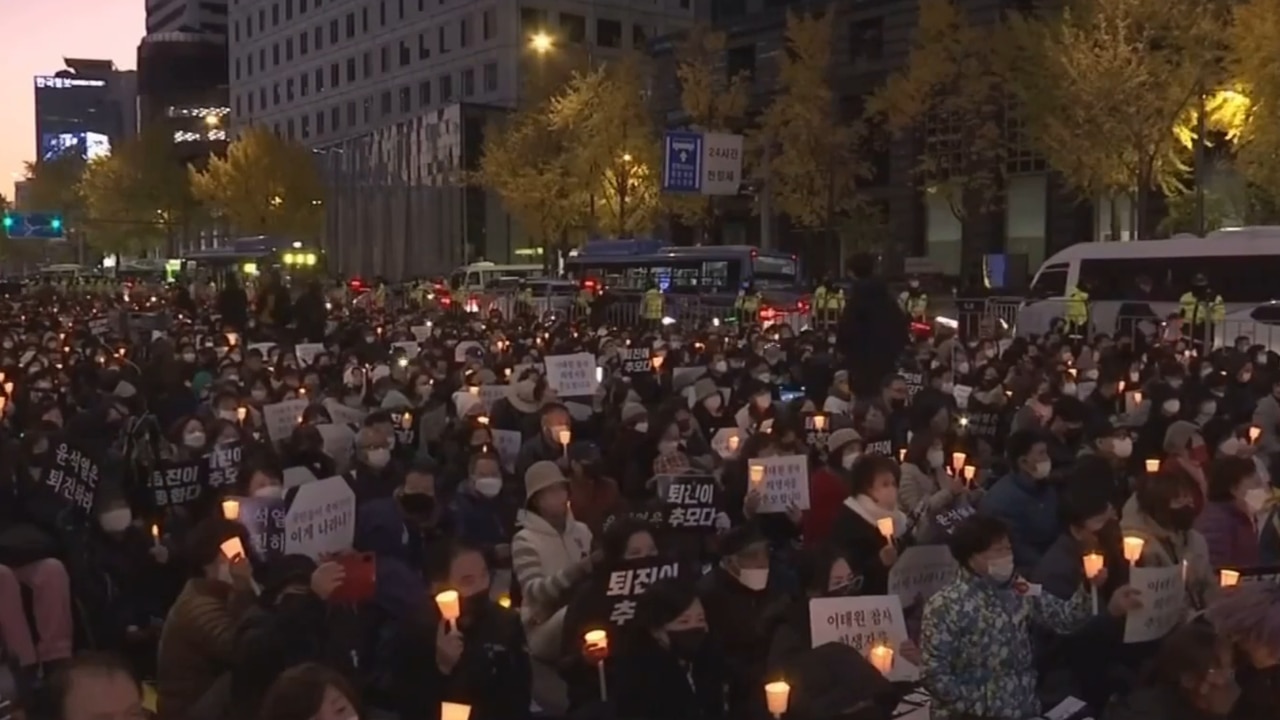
(1077,311)
(1197,311)
(584,299)
(525,296)
(915,304)
(835,301)
(651,307)
(747,304)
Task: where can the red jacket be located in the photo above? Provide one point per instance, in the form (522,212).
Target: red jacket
(827,491)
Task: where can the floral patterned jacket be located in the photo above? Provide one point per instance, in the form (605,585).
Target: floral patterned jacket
(977,649)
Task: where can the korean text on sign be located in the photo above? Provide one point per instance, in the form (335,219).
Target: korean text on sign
(626,586)
(786,483)
(862,623)
(321,518)
(1164,603)
(692,502)
(264,519)
(176,484)
(572,375)
(224,465)
(73,477)
(921,571)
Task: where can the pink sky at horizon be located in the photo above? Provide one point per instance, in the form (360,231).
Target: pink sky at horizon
(51,30)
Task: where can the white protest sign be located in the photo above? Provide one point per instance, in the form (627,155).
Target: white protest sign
(785,483)
(683,376)
(863,623)
(961,393)
(344,414)
(490,394)
(295,476)
(321,518)
(1164,603)
(721,163)
(507,443)
(282,417)
(727,442)
(921,571)
(578,411)
(264,348)
(339,444)
(420,332)
(410,348)
(572,375)
(307,352)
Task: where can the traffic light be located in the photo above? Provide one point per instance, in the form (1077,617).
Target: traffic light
(8,222)
(55,223)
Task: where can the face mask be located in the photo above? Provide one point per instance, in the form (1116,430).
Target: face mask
(754,578)
(419,504)
(1122,448)
(1182,518)
(489,486)
(378,458)
(947,388)
(188,357)
(642,427)
(720,366)
(712,403)
(113,521)
(849,459)
(685,644)
(1170,407)
(668,447)
(935,458)
(763,377)
(1133,377)
(1001,569)
(1257,499)
(269,492)
(194,440)
(229,415)
(764,401)
(1069,389)
(963,368)
(1260,358)
(1042,469)
(259,395)
(1229,446)
(1175,383)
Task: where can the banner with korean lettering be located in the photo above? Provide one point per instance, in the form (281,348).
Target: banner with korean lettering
(691,503)
(863,623)
(406,430)
(72,475)
(222,465)
(616,594)
(321,518)
(785,483)
(636,360)
(921,571)
(176,484)
(1164,603)
(263,518)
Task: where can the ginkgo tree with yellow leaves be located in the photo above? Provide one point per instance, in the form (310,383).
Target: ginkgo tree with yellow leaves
(266,185)
(711,103)
(1254,36)
(951,89)
(805,152)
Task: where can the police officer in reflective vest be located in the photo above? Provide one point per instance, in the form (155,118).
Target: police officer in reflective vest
(1076,312)
(914,301)
(828,303)
(746,308)
(651,306)
(1200,308)
(582,301)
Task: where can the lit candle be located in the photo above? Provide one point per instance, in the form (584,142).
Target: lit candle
(241,413)
(504,600)
(449,604)
(1152,465)
(474,390)
(819,422)
(1093,563)
(1072,373)
(881,658)
(563,437)
(482,419)
(231,509)
(734,442)
(454,711)
(885,525)
(3,401)
(756,474)
(902,455)
(1228,578)
(8,387)
(155,534)
(596,640)
(1120,386)
(969,472)
(406,421)
(957,460)
(1137,397)
(1254,433)
(777,696)
(1133,549)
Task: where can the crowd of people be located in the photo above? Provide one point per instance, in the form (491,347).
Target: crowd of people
(304,509)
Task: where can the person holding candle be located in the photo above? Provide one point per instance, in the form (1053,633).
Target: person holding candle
(978,656)
(373,475)
(1025,499)
(1107,456)
(556,424)
(857,531)
(926,485)
(1162,514)
(1229,521)
(829,486)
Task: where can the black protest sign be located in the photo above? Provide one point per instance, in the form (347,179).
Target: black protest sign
(616,594)
(222,465)
(406,429)
(914,381)
(691,503)
(948,519)
(817,429)
(263,518)
(99,326)
(176,484)
(636,360)
(72,476)
(878,446)
(982,422)
(656,517)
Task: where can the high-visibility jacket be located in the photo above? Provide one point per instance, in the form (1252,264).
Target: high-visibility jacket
(747,305)
(583,299)
(835,301)
(1195,310)
(1077,310)
(525,297)
(914,304)
(651,306)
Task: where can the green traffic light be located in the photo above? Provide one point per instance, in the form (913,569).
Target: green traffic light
(8,221)
(56,224)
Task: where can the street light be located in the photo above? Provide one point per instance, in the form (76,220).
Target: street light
(626,157)
(211,120)
(541,43)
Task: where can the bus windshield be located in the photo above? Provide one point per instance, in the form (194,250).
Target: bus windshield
(773,272)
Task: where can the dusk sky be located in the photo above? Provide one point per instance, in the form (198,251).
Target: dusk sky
(50,31)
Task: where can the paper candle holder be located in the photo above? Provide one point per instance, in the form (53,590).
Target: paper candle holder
(564,436)
(1093,564)
(885,526)
(1228,578)
(454,711)
(777,697)
(881,657)
(957,460)
(755,473)
(1133,548)
(231,509)
(450,605)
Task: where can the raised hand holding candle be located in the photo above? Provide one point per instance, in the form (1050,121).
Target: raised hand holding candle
(733,443)
(957,460)
(450,605)
(231,509)
(1255,432)
(1133,549)
(596,640)
(881,658)
(241,413)
(1228,578)
(885,525)
(819,422)
(777,696)
(155,535)
(969,472)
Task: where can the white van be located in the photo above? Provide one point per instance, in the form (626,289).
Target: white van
(481,276)
(1242,265)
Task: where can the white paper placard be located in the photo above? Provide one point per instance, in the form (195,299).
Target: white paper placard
(721,441)
(507,443)
(282,417)
(921,571)
(786,482)
(1164,603)
(344,414)
(307,352)
(321,518)
(572,375)
(862,623)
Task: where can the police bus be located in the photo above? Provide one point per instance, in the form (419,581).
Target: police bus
(251,256)
(1240,264)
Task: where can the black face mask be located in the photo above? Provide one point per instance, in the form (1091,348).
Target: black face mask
(686,644)
(419,505)
(1181,519)
(476,604)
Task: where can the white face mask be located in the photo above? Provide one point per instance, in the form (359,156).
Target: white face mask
(1122,447)
(720,366)
(754,578)
(116,520)
(1133,377)
(849,459)
(1042,469)
(229,415)
(194,440)
(259,395)
(269,492)
(1000,569)
(712,403)
(1260,358)
(936,458)
(188,357)
(1257,499)
(489,486)
(642,427)
(948,388)
(1171,407)
(1175,383)
(962,368)
(378,458)
(1069,389)
(763,401)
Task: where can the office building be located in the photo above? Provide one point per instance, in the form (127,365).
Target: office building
(413,77)
(187,16)
(84,109)
(871,40)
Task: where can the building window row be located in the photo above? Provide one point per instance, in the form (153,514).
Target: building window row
(345,28)
(567,27)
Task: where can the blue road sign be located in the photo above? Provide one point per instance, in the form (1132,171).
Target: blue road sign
(33,226)
(682,171)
